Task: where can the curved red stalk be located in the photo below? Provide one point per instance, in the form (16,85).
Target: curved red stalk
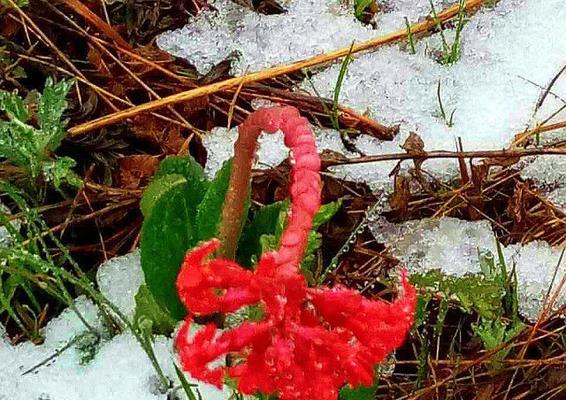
(312,341)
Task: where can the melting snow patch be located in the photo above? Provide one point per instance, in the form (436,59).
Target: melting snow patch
(307,28)
(452,246)
(502,48)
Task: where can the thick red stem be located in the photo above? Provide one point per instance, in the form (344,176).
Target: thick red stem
(305,184)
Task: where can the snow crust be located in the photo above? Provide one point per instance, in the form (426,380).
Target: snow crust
(453,247)
(549,174)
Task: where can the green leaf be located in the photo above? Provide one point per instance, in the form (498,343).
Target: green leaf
(31,149)
(50,109)
(181,165)
(60,170)
(19,3)
(191,170)
(361,5)
(358,393)
(159,188)
(187,387)
(266,229)
(493,334)
(325,213)
(265,222)
(267,243)
(14,106)
(147,307)
(472,292)
(209,212)
(167,234)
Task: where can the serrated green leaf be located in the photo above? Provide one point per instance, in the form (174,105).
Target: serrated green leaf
(147,307)
(31,149)
(13,105)
(472,292)
(167,234)
(50,109)
(209,212)
(493,333)
(60,170)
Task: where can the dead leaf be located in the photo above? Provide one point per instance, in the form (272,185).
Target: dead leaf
(414,145)
(136,170)
(399,200)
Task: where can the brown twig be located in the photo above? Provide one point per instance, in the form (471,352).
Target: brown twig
(328,162)
(98,23)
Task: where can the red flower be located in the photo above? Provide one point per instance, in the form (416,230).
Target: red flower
(311,341)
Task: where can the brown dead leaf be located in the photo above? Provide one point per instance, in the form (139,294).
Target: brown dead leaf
(95,59)
(136,170)
(414,145)
(400,199)
(161,134)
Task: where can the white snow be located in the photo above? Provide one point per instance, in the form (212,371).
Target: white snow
(506,61)
(549,174)
(308,27)
(119,280)
(272,151)
(487,87)
(120,369)
(452,246)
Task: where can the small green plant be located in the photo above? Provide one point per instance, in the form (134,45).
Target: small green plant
(494,332)
(29,136)
(181,208)
(28,263)
(448,120)
(338,88)
(361,6)
(491,294)
(451,52)
(410,37)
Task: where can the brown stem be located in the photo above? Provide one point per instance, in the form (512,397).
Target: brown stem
(238,189)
